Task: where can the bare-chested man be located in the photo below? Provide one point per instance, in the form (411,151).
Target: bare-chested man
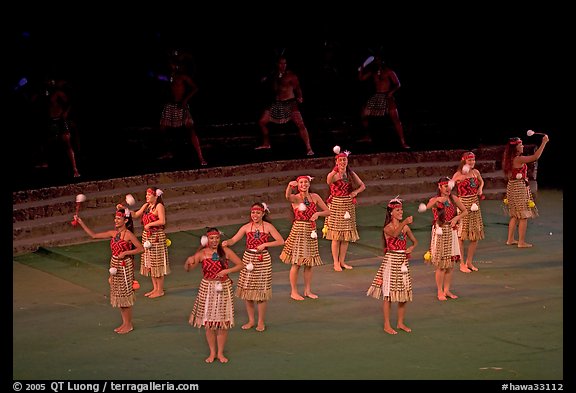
(382,103)
(58,126)
(287,96)
(176,113)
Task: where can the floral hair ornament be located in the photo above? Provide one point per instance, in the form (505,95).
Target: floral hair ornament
(159,192)
(127,213)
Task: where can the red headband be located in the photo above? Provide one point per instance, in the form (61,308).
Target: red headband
(515,141)
(119,214)
(213,233)
(467,156)
(342,155)
(441,183)
(261,209)
(304,177)
(394,204)
(150,191)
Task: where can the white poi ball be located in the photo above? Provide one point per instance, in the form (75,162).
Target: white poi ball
(438,230)
(113,270)
(204,240)
(147,244)
(404,268)
(451,184)
(474,207)
(550,233)
(302,207)
(250,266)
(314,235)
(347,216)
(422,208)
(465,168)
(518,176)
(80,198)
(336,149)
(219,287)
(130,200)
(529,132)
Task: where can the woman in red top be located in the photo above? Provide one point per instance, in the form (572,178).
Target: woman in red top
(255,281)
(214,305)
(124,245)
(154,261)
(301,248)
(518,195)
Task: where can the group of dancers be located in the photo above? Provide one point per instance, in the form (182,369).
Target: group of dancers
(456,219)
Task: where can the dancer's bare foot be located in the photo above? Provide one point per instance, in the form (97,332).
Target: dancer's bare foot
(471,267)
(210,358)
(156,294)
(260,328)
(464,268)
(125,330)
(119,328)
(223,359)
(511,243)
(403,327)
(149,293)
(296,296)
(451,295)
(346,266)
(441,297)
(389,330)
(248,325)
(311,295)
(337,268)
(524,245)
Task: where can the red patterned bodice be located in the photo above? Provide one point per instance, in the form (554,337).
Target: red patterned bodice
(210,268)
(448,207)
(306,214)
(255,238)
(149,217)
(522,170)
(117,245)
(396,243)
(468,186)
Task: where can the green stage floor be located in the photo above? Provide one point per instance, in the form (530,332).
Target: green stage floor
(506,325)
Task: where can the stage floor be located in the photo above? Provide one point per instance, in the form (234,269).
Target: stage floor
(507,323)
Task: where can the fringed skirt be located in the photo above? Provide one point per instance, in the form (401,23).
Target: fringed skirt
(121,288)
(213,309)
(519,196)
(339,227)
(300,248)
(445,248)
(471,226)
(256,284)
(377,105)
(176,116)
(392,281)
(154,261)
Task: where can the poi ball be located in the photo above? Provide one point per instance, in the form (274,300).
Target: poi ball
(427,256)
(438,230)
(250,266)
(404,268)
(336,149)
(113,270)
(135,285)
(204,240)
(518,176)
(347,216)
(80,198)
(466,168)
(474,207)
(302,207)
(219,287)
(314,235)
(422,208)
(168,242)
(130,199)
(529,132)
(147,244)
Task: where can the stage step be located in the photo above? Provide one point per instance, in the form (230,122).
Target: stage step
(222,195)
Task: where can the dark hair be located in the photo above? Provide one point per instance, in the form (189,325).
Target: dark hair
(510,152)
(130,222)
(442,212)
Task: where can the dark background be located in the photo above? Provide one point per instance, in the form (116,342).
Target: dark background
(476,77)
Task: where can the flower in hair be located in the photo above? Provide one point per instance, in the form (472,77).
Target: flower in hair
(159,192)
